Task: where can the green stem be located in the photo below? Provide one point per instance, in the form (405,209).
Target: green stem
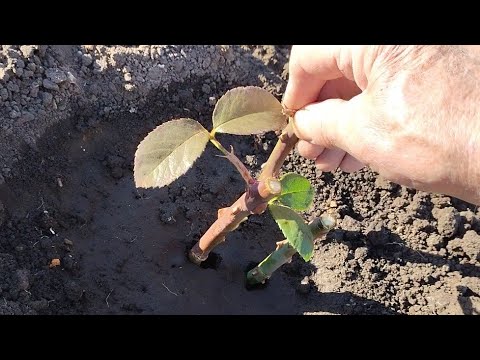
(282,254)
(284,251)
(218,145)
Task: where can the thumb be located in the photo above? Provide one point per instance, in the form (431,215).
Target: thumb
(331,123)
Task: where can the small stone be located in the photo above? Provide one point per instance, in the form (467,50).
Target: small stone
(56,76)
(212,100)
(468,215)
(28,50)
(47,84)
(47,98)
(155,73)
(349,223)
(469,245)
(87,60)
(6,172)
(4,94)
(19,64)
(18,71)
(448,221)
(26,117)
(250,159)
(13,87)
(19,248)
(399,203)
(434,240)
(54,263)
(361,253)
(34,90)
(206,89)
(383,184)
(167,213)
(15,114)
(127,77)
(304,287)
(27,74)
(412,300)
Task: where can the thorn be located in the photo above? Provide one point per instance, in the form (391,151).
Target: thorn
(283,137)
(235,210)
(288,112)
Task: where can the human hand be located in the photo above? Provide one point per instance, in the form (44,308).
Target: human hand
(411,113)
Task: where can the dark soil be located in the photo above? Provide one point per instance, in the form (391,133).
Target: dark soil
(70,195)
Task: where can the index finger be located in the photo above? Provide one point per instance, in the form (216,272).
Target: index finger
(310,67)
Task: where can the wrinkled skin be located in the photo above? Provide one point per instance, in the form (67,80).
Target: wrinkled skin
(411,113)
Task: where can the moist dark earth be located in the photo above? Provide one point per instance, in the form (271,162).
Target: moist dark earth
(77,237)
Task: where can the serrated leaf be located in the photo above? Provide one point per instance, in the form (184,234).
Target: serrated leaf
(297,192)
(246,111)
(295,230)
(168,152)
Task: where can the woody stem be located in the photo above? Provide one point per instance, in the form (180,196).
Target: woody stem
(253,201)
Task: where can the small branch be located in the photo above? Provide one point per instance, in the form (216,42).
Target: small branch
(282,254)
(322,225)
(230,156)
(253,201)
(285,144)
(284,251)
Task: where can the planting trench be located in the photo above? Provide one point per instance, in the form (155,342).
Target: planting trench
(67,193)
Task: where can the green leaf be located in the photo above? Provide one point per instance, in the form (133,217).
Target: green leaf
(168,152)
(297,192)
(295,230)
(248,110)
